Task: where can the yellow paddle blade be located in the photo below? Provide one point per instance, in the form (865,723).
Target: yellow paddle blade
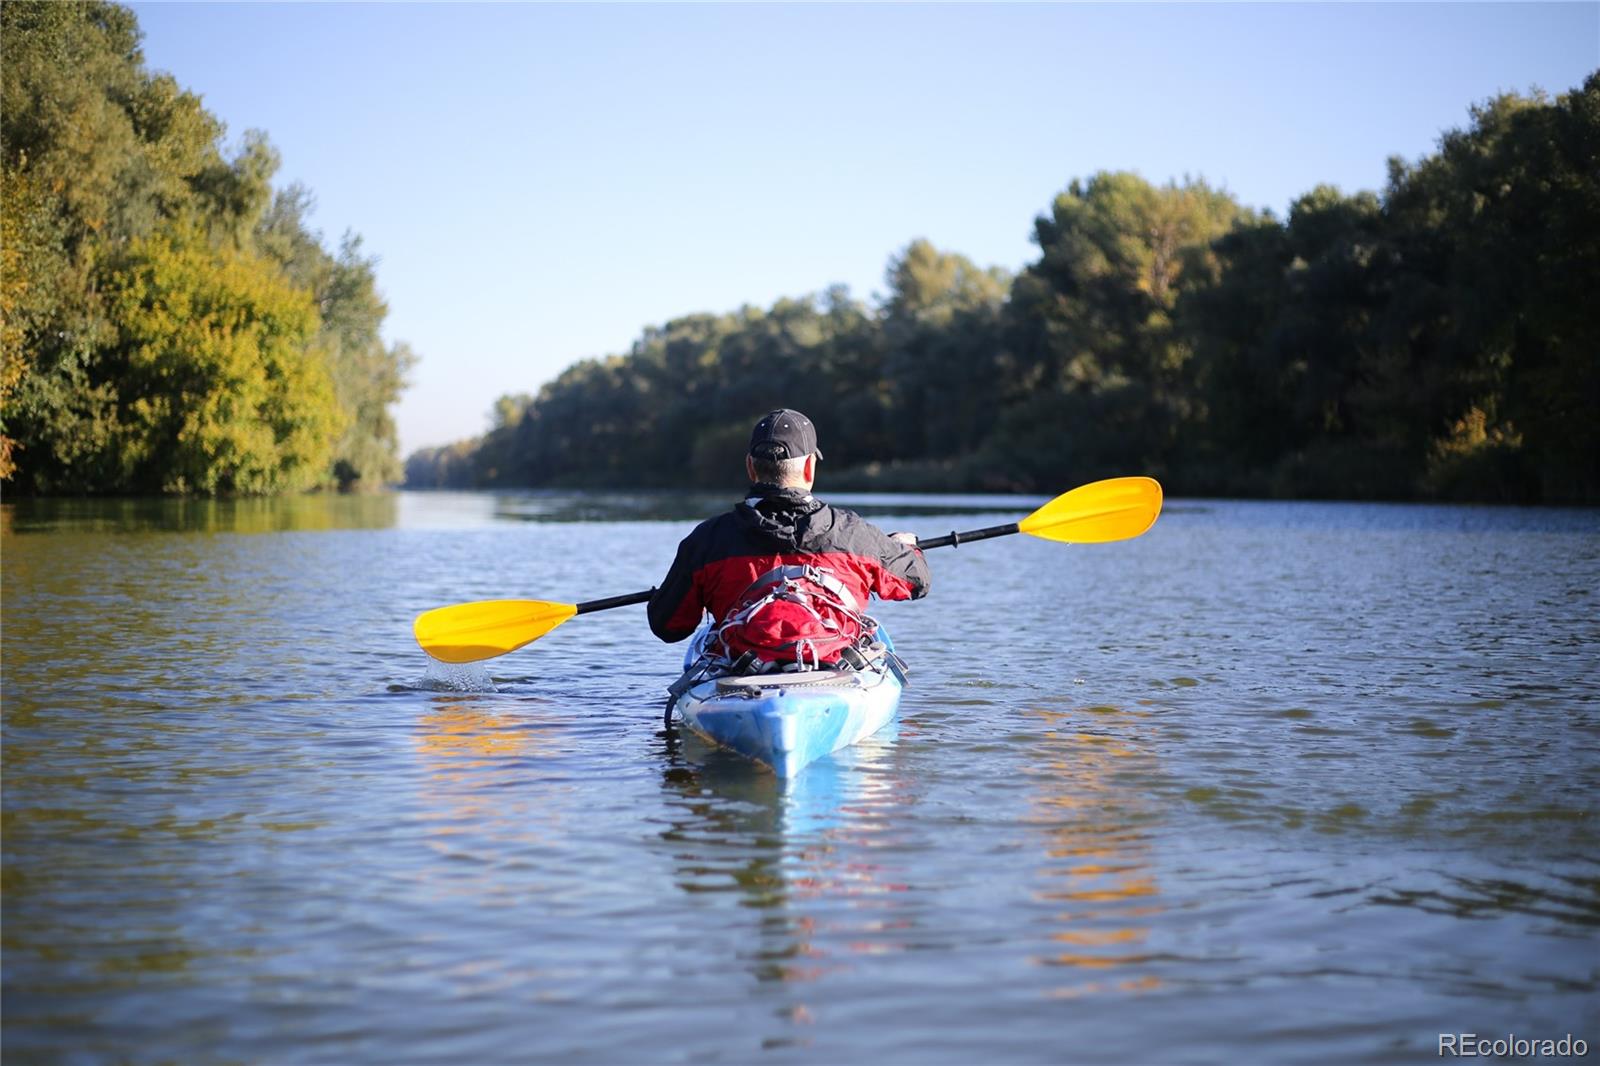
(468,632)
(1114,509)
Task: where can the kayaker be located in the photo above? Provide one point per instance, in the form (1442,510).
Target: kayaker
(780,523)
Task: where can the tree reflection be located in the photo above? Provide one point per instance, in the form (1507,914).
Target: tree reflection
(282,514)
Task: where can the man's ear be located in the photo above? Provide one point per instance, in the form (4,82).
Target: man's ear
(750,469)
(811,467)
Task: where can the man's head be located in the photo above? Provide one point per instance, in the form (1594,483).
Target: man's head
(783,450)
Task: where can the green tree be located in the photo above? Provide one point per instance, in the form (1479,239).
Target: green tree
(368,375)
(114,182)
(1435,342)
(93,152)
(207,384)
(947,368)
(1301,390)
(1502,225)
(1437,339)
(1104,370)
(496,461)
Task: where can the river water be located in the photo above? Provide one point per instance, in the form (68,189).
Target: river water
(1274,782)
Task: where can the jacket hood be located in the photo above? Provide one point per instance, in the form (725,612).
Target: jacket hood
(782,516)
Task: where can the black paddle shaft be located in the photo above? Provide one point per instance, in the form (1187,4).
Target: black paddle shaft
(616,601)
(955,540)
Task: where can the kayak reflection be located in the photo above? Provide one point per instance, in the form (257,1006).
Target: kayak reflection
(799,864)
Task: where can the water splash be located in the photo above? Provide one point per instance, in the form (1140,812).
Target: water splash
(456,677)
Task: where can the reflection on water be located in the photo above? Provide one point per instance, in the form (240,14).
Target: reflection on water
(455,738)
(805,854)
(781,834)
(1099,867)
(474,754)
(1566,898)
(1272,783)
(319,511)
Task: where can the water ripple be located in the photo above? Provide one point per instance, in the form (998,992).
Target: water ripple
(1303,782)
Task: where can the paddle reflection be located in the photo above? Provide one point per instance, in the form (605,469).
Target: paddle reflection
(458,736)
(475,751)
(1091,809)
(800,853)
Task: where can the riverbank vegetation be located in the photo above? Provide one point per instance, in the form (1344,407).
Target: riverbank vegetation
(1437,340)
(170,324)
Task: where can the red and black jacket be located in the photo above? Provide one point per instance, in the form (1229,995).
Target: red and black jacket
(779,527)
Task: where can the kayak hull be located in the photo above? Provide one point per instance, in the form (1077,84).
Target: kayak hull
(788,721)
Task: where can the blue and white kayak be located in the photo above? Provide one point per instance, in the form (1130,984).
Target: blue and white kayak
(787,721)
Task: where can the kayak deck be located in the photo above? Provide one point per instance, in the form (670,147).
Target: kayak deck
(787,721)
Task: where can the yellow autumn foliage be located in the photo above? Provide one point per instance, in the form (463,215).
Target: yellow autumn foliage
(222,389)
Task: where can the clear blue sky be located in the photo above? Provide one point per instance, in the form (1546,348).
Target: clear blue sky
(540,182)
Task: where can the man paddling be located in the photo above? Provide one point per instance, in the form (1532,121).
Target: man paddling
(777,527)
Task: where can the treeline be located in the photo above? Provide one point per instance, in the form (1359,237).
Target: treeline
(1438,341)
(170,325)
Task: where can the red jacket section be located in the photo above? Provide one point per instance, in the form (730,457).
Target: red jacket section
(779,527)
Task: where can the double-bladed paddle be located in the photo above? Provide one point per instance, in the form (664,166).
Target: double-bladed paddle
(1114,509)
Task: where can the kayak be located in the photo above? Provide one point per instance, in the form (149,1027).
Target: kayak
(789,720)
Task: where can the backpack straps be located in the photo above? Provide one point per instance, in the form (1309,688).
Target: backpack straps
(793,572)
(805,586)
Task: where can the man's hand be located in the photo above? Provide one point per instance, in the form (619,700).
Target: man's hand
(908,539)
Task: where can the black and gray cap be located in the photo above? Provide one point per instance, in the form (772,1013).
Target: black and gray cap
(784,434)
